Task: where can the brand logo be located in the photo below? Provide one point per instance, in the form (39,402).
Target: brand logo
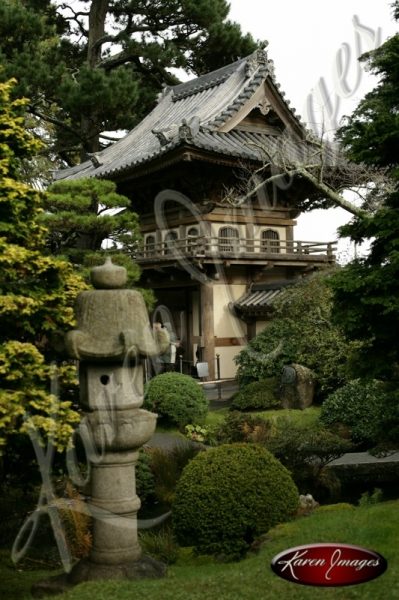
(328,565)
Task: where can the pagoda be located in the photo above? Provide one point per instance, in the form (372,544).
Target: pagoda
(218,244)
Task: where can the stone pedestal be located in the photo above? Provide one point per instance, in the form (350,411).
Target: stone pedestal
(112,337)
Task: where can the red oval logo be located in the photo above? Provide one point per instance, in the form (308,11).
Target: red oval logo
(328,565)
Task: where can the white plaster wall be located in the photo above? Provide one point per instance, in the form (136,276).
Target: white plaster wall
(225,323)
(260,326)
(228,368)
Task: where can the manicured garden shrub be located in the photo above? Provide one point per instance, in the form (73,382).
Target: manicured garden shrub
(258,395)
(306,450)
(366,408)
(145,481)
(177,398)
(243,427)
(228,496)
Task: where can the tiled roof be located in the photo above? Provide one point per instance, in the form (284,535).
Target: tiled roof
(260,298)
(192,114)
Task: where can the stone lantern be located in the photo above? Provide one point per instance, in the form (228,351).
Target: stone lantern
(113,335)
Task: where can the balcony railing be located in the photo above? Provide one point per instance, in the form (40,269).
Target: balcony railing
(234,248)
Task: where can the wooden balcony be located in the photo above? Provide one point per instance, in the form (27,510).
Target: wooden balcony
(236,251)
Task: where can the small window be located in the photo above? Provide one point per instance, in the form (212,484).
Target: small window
(150,245)
(192,239)
(270,241)
(228,239)
(192,232)
(170,241)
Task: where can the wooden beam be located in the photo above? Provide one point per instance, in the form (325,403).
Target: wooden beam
(207,327)
(221,342)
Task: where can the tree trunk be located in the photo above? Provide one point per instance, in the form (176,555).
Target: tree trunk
(97,17)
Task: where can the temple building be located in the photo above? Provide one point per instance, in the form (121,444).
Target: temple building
(218,245)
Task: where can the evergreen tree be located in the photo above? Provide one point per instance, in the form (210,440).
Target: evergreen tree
(367,290)
(97,65)
(81,214)
(36,295)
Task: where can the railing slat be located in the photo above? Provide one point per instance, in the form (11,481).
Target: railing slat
(234,246)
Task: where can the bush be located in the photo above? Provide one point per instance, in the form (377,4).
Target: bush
(167,467)
(258,395)
(177,398)
(300,332)
(305,450)
(145,481)
(364,406)
(228,496)
(241,427)
(160,545)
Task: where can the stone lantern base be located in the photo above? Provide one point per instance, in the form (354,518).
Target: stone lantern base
(85,570)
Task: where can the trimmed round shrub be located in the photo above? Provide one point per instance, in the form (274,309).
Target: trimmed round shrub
(230,495)
(365,407)
(177,398)
(258,395)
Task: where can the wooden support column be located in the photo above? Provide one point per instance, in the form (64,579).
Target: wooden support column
(251,329)
(207,328)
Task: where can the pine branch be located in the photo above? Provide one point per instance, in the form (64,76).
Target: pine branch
(54,121)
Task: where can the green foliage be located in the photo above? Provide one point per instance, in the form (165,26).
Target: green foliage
(200,434)
(202,578)
(366,408)
(241,427)
(258,395)
(366,291)
(305,450)
(167,467)
(301,332)
(371,498)
(112,82)
(81,214)
(177,398)
(145,481)
(161,545)
(36,298)
(371,133)
(228,496)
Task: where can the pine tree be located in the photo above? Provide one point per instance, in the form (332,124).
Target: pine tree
(367,289)
(81,214)
(92,67)
(36,296)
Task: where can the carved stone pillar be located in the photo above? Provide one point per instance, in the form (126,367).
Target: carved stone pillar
(113,335)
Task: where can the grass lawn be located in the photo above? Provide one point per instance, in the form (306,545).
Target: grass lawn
(373,526)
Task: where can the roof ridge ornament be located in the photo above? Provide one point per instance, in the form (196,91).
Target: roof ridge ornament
(164,92)
(189,129)
(257,59)
(165,136)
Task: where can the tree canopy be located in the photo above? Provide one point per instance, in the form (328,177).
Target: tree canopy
(301,331)
(366,291)
(81,214)
(37,292)
(96,66)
